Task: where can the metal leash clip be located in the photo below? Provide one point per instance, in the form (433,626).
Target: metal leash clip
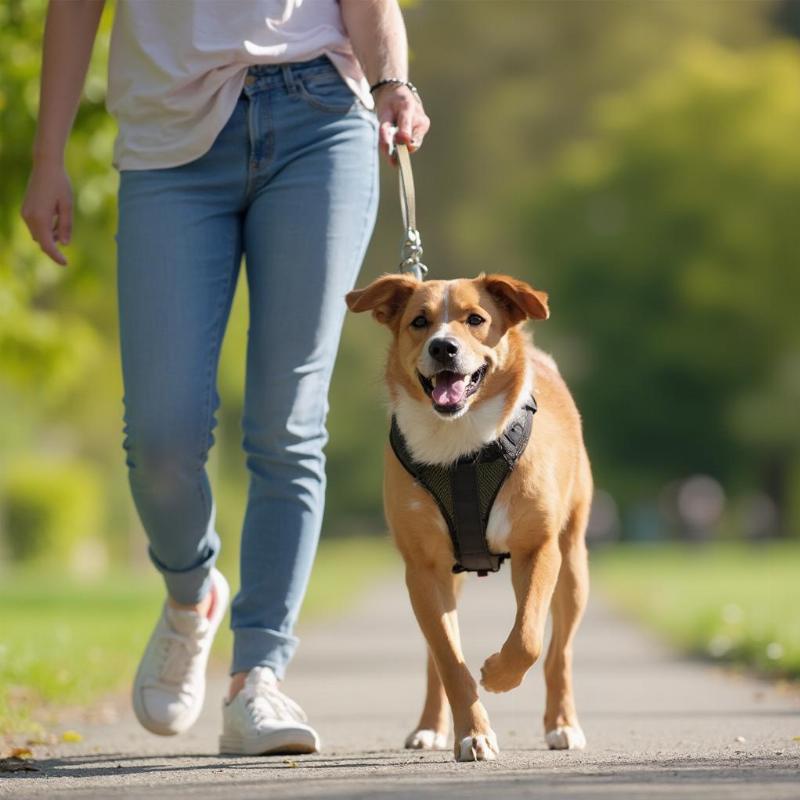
(411,249)
(410,254)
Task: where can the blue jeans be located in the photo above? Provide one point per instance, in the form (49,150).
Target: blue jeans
(291,183)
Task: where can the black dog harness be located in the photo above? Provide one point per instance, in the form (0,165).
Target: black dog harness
(465,491)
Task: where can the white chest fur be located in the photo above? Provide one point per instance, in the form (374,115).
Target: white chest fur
(433,440)
(498,527)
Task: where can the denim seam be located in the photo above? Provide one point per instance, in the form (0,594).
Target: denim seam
(215,348)
(269,133)
(289,79)
(360,253)
(328,108)
(367,235)
(251,135)
(254,167)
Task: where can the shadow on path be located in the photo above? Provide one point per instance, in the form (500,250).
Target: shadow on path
(404,774)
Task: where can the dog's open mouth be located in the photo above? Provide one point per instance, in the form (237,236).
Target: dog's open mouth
(449,390)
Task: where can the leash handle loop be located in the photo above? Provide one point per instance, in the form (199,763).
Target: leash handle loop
(408,197)
(411,249)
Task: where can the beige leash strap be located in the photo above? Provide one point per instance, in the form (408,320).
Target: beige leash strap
(411,249)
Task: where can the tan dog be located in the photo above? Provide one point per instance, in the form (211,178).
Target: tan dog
(459,368)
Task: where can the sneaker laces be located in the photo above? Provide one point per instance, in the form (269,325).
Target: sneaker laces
(265,702)
(176,655)
(177,648)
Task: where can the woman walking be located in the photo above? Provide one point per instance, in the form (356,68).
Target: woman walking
(246,128)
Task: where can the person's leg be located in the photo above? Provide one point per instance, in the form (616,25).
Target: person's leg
(306,231)
(179,250)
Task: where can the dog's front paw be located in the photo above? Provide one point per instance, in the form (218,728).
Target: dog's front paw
(481,747)
(565,737)
(426,739)
(498,675)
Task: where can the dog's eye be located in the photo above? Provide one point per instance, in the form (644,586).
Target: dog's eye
(419,322)
(475,320)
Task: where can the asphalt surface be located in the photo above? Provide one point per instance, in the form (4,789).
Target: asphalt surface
(657,725)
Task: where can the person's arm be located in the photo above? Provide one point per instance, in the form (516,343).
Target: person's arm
(69,35)
(378,36)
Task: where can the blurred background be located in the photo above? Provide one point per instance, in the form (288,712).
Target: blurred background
(640,161)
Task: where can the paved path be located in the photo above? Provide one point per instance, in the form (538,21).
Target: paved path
(657,725)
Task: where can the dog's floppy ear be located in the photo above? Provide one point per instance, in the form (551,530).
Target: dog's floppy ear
(385,297)
(519,300)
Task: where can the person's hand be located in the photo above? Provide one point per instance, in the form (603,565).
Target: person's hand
(398,107)
(47,207)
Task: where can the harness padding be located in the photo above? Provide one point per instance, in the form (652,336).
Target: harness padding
(465,491)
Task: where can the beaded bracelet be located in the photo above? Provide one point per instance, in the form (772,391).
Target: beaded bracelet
(396,82)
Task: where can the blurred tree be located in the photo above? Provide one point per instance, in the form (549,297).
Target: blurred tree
(52,319)
(786,17)
(507,84)
(670,244)
(60,386)
(51,506)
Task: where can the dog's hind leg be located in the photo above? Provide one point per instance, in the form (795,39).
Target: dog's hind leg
(562,731)
(433,593)
(533,574)
(434,722)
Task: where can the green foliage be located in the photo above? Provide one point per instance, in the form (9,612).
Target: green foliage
(669,244)
(51,322)
(50,507)
(59,370)
(359,429)
(728,602)
(507,86)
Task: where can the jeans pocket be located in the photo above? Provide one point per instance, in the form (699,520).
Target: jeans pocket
(326,90)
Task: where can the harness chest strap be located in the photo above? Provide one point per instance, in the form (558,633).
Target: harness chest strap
(466,490)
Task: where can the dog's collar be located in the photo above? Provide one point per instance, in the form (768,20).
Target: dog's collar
(465,491)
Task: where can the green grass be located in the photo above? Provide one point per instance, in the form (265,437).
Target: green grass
(64,642)
(735,603)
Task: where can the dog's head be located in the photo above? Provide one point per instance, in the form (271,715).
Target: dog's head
(452,339)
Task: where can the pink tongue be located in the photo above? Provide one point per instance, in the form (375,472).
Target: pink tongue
(450,389)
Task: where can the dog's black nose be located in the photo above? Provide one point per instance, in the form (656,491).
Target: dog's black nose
(444,349)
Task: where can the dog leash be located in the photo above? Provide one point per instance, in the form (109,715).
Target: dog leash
(411,249)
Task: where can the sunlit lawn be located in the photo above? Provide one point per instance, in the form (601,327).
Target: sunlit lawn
(735,603)
(64,642)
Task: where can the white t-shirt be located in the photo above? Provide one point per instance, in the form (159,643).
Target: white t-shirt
(177,67)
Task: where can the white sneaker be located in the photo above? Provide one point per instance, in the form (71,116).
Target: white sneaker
(170,684)
(261,720)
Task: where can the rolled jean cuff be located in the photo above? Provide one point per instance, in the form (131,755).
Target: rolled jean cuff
(187,586)
(261,647)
